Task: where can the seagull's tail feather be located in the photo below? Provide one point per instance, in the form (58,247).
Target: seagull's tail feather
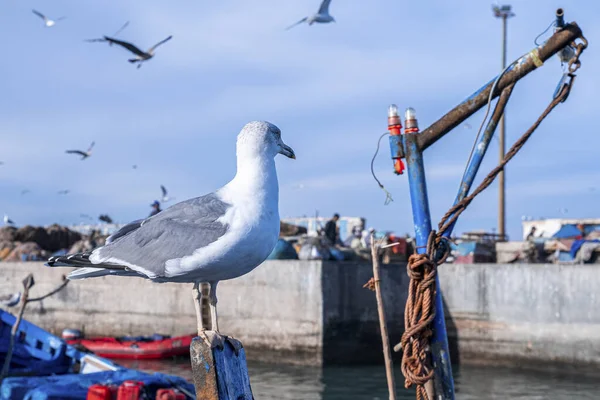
(80,260)
(86,269)
(92,272)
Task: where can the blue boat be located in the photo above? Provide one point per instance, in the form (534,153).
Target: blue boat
(44,367)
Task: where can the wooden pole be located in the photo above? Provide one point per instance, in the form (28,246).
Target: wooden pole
(387,353)
(27,284)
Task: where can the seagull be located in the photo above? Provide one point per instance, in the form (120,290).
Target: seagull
(63,192)
(47,21)
(8,221)
(218,236)
(165,198)
(1,162)
(114,34)
(86,216)
(105,218)
(10,300)
(322,16)
(83,154)
(25,191)
(134,166)
(140,56)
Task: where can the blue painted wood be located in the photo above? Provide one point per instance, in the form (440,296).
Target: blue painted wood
(478,154)
(443,380)
(219,373)
(232,374)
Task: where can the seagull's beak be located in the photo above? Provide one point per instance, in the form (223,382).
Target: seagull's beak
(286,151)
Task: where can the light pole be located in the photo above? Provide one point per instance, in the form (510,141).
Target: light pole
(503,12)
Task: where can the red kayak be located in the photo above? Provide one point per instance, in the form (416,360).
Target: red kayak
(137,348)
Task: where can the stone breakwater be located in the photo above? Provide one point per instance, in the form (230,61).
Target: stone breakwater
(315,312)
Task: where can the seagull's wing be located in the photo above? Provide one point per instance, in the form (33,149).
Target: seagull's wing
(151,49)
(94,40)
(81,153)
(297,23)
(154,247)
(39,14)
(130,227)
(91,146)
(60,19)
(126,45)
(164,190)
(324,9)
(121,29)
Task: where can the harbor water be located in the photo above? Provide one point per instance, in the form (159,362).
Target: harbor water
(282,382)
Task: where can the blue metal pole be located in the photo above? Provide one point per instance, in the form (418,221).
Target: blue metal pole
(443,381)
(480,149)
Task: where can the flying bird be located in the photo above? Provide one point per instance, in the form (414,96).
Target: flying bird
(322,16)
(47,21)
(105,218)
(114,34)
(63,192)
(165,198)
(25,191)
(140,56)
(83,154)
(86,216)
(8,221)
(1,162)
(218,236)
(10,300)
(134,166)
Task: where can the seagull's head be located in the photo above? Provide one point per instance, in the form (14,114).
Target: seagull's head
(261,138)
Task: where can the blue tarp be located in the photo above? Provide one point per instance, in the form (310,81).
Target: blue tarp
(75,386)
(283,251)
(567,231)
(577,245)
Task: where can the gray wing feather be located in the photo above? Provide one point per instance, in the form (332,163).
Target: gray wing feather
(130,227)
(39,14)
(151,49)
(297,23)
(173,233)
(76,152)
(324,9)
(132,48)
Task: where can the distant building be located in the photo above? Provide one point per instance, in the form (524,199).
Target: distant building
(548,228)
(314,224)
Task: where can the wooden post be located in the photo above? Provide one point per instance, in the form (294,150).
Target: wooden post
(220,373)
(28,282)
(387,353)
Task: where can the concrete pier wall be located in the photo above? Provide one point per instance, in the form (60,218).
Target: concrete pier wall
(314,312)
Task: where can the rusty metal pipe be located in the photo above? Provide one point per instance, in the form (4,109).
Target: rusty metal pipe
(522,67)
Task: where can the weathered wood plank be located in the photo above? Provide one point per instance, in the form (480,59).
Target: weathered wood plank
(220,373)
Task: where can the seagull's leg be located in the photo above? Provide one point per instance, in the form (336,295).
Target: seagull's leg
(213,337)
(236,344)
(198,304)
(213,307)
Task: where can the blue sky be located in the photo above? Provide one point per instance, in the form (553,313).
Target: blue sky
(326,86)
